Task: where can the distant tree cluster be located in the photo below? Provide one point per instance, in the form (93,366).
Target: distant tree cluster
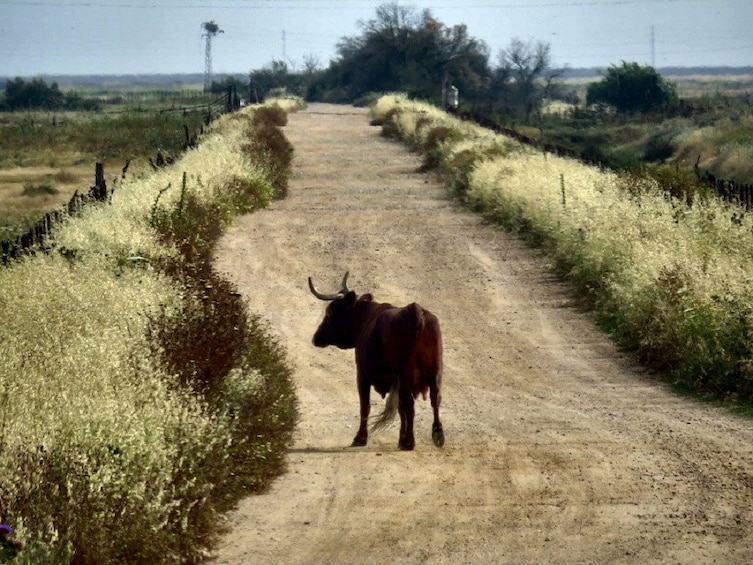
(278,77)
(37,95)
(404,50)
(401,49)
(633,88)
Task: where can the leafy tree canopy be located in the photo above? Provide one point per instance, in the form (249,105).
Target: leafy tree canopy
(401,49)
(20,94)
(632,88)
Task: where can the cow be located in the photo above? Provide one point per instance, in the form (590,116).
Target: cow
(398,352)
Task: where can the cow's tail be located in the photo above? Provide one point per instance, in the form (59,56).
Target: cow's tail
(391,404)
(388,414)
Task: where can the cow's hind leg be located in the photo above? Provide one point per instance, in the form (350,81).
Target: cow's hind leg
(407,412)
(437,433)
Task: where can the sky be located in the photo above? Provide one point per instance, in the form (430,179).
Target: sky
(115,37)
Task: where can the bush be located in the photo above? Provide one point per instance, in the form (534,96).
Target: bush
(432,147)
(267,144)
(632,88)
(270,116)
(44,189)
(389,123)
(659,148)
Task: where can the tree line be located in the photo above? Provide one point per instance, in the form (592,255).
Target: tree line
(401,49)
(38,95)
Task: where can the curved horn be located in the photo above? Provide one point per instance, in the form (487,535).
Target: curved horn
(344,285)
(321,296)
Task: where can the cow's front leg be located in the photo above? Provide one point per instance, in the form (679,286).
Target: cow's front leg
(406,408)
(364,390)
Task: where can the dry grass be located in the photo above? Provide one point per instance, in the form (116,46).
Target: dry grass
(137,396)
(61,149)
(671,281)
(20,207)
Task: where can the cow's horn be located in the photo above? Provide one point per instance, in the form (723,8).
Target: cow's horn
(344,285)
(321,296)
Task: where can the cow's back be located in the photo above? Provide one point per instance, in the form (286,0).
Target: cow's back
(403,343)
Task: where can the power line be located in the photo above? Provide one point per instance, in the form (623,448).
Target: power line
(297,5)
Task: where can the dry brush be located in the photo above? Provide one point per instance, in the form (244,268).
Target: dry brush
(138,396)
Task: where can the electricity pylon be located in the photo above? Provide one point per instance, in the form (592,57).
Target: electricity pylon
(210,30)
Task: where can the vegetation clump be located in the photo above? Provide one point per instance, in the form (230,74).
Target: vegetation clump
(633,88)
(38,95)
(138,397)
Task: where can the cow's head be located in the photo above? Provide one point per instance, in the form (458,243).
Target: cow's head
(337,328)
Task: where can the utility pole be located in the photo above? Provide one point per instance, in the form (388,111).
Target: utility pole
(284,52)
(210,30)
(653,51)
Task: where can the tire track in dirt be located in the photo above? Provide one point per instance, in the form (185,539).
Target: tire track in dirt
(558,449)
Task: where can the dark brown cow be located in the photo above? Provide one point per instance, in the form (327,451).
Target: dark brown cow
(398,352)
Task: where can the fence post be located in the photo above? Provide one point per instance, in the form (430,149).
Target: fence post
(99,191)
(99,174)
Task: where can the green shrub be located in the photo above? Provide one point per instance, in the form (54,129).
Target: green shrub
(432,147)
(659,148)
(367,100)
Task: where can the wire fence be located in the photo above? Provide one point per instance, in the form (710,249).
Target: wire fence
(37,236)
(727,189)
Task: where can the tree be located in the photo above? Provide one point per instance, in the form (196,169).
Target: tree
(463,59)
(524,77)
(22,95)
(276,76)
(632,88)
(311,64)
(403,50)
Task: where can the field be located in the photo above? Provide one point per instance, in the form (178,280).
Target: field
(713,128)
(45,157)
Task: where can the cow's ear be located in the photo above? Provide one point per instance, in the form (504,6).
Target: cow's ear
(350,298)
(366,297)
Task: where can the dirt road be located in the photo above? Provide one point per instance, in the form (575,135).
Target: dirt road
(559,450)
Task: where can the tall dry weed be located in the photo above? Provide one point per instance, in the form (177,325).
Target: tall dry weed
(131,375)
(668,268)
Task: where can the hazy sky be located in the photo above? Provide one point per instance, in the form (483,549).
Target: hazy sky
(165,36)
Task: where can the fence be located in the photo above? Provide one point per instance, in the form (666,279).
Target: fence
(729,190)
(224,104)
(37,235)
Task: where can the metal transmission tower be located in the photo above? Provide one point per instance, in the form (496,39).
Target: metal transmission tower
(210,30)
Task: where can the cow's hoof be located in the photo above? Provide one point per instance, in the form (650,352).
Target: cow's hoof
(406,445)
(437,437)
(359,441)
